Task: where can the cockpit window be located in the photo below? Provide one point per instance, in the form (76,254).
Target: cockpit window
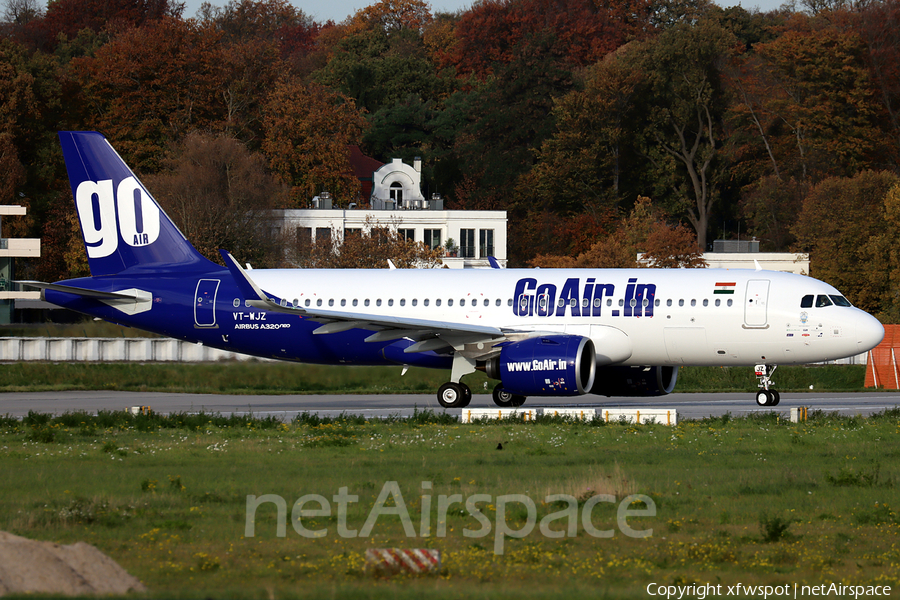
(840,301)
(807,301)
(823,301)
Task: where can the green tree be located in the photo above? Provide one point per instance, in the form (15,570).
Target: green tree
(379,68)
(492,130)
(580,166)
(684,102)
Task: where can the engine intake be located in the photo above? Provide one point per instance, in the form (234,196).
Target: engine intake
(552,365)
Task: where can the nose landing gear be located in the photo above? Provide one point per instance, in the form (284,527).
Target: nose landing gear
(766,396)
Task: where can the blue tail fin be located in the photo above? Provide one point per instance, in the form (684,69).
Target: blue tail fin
(122,225)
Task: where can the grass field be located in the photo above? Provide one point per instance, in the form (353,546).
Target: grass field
(286,378)
(751,501)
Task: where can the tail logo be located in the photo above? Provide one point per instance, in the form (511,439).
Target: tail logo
(104,215)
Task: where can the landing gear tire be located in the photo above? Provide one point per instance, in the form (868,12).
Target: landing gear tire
(505,399)
(768,398)
(454,395)
(467,395)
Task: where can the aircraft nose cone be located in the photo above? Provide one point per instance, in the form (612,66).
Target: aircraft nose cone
(869,332)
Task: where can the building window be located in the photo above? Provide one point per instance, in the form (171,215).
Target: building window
(304,236)
(397,193)
(352,231)
(433,238)
(486,242)
(407,234)
(467,243)
(323,234)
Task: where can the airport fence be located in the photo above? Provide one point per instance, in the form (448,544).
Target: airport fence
(74,349)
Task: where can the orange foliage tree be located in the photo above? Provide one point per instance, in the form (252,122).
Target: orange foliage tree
(369,249)
(643,232)
(308,129)
(219,194)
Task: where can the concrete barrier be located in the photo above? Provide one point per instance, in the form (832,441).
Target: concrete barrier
(110,350)
(582,414)
(662,416)
(470,415)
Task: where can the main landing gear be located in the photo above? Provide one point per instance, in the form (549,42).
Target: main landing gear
(458,395)
(454,395)
(766,396)
(505,399)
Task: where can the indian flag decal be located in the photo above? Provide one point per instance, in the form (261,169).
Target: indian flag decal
(725,288)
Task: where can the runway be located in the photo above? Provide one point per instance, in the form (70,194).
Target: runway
(286,407)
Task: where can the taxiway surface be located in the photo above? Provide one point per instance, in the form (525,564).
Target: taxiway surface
(689,406)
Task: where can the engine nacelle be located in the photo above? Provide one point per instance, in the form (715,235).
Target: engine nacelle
(635,381)
(551,365)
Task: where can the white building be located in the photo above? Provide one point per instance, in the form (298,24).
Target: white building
(475,234)
(468,237)
(745,254)
(398,185)
(10,249)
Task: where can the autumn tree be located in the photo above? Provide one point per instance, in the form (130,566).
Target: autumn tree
(822,97)
(220,195)
(308,129)
(242,20)
(63,253)
(645,232)
(492,32)
(878,25)
(68,17)
(368,249)
(843,227)
(149,86)
(885,245)
(392,16)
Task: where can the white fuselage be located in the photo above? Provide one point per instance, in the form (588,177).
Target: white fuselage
(634,316)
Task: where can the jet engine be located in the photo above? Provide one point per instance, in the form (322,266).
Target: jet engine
(551,365)
(634,381)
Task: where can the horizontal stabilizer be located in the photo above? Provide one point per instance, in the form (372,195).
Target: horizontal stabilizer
(85,292)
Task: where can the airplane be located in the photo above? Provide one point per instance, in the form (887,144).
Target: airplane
(539,332)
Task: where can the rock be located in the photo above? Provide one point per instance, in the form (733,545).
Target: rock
(29,566)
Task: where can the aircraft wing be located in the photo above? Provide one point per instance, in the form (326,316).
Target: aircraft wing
(476,341)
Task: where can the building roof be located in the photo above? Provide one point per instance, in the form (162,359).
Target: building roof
(363,166)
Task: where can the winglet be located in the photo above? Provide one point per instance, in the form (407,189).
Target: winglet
(758,266)
(493,262)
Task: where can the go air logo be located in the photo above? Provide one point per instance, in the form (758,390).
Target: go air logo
(105,214)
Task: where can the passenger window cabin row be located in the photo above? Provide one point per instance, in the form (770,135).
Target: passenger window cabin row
(473,302)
